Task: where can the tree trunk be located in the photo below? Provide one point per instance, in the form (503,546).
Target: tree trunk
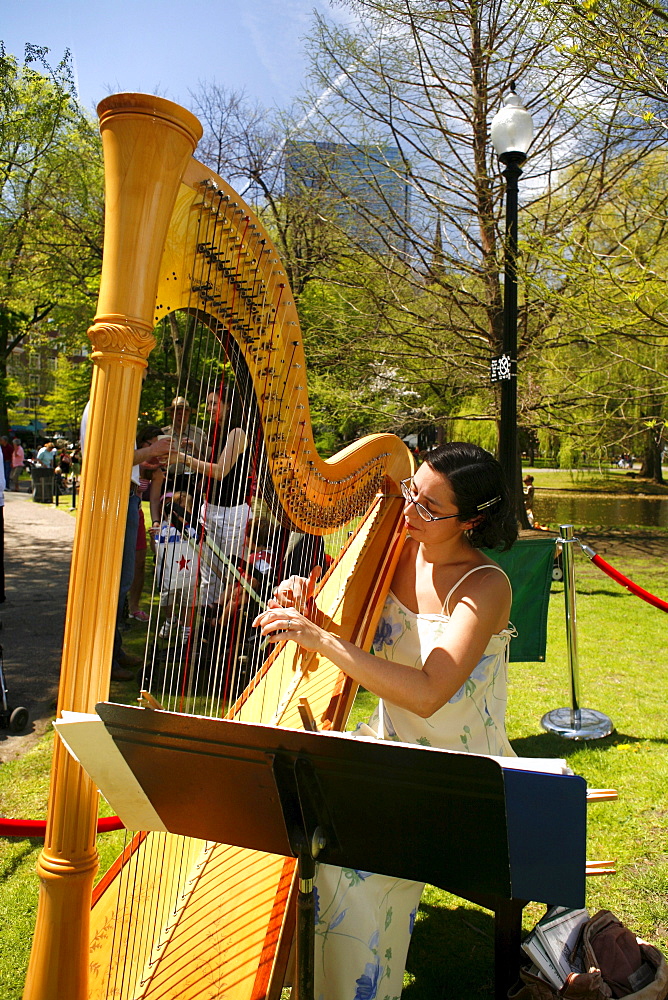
(651,466)
(4,417)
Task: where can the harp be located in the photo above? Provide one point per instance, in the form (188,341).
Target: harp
(183,918)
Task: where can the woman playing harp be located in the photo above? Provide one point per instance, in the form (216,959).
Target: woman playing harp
(440,671)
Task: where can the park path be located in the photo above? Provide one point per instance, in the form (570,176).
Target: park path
(38,552)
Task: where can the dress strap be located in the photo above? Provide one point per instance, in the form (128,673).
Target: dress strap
(446,603)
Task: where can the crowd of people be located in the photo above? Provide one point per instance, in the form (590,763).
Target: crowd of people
(196,484)
(624,461)
(61,457)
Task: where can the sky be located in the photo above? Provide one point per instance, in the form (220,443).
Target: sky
(168,46)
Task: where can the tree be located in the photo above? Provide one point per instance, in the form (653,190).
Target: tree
(426,79)
(356,385)
(51,205)
(622,44)
(625,45)
(401,309)
(603,344)
(64,405)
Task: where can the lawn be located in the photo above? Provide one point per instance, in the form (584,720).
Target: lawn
(612,481)
(623,653)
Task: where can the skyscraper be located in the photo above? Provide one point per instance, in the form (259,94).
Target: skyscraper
(362,188)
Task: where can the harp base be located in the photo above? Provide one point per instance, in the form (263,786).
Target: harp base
(62,930)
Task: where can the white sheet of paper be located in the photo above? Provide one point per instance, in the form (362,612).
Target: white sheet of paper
(87,739)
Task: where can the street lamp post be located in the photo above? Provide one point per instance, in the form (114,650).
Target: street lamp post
(511,132)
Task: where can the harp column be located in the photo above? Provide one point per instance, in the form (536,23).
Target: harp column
(147,144)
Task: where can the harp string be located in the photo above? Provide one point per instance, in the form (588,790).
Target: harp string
(285,403)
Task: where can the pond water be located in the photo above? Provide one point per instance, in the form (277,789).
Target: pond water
(554,509)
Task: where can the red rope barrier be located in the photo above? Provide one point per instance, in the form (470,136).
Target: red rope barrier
(622,580)
(37,827)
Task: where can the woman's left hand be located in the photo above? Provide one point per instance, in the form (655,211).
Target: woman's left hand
(278,624)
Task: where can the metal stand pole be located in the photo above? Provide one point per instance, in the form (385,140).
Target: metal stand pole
(305,935)
(574,723)
(74,492)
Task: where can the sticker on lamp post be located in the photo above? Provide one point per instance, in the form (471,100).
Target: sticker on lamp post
(501,368)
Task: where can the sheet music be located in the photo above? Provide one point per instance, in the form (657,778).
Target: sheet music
(544,765)
(87,739)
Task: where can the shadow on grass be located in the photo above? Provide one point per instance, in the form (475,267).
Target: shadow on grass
(451,954)
(587,592)
(551,745)
(23,848)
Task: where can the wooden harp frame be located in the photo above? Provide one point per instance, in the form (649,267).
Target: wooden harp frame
(164,210)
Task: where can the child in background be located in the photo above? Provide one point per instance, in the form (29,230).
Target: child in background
(230,642)
(177,553)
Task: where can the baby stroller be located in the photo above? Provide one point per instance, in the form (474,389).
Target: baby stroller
(14,719)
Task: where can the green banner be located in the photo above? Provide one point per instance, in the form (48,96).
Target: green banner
(529,565)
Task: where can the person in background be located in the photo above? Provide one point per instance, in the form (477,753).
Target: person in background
(176,563)
(151,479)
(18,461)
(229,640)
(65,464)
(224,512)
(46,456)
(528,498)
(190,439)
(153,454)
(76,460)
(7,452)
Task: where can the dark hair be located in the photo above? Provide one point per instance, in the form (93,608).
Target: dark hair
(480,490)
(259,531)
(148,432)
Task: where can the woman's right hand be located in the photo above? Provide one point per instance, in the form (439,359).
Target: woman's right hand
(296,592)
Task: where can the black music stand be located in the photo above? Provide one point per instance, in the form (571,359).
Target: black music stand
(495,836)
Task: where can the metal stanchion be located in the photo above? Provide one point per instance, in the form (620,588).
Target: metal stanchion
(74,492)
(574,723)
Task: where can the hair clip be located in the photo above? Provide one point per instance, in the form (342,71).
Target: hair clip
(488,503)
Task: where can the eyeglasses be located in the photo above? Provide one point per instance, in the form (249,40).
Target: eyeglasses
(425,514)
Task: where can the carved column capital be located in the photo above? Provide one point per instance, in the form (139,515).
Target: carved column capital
(118,338)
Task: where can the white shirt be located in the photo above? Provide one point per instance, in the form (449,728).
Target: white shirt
(134,477)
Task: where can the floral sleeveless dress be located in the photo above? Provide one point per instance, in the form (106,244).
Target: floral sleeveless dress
(364,921)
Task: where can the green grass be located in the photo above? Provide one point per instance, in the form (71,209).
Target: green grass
(623,651)
(617,482)
(24,789)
